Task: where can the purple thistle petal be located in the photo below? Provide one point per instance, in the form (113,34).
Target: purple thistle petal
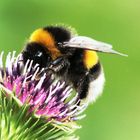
(46,95)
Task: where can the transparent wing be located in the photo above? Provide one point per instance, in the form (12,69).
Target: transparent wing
(91,44)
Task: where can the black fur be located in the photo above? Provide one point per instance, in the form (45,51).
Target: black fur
(37,52)
(95,70)
(60,35)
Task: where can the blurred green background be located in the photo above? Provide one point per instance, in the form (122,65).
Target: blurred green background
(116,114)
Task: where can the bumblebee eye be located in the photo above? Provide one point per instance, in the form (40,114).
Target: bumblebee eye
(38,54)
(43,59)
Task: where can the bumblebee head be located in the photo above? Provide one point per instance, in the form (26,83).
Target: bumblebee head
(36,52)
(44,45)
(50,38)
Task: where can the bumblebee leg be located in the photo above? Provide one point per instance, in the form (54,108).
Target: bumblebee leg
(59,64)
(83,85)
(90,76)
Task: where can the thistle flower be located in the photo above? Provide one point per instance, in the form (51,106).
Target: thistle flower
(35,104)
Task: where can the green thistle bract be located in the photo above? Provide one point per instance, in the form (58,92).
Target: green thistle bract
(34,104)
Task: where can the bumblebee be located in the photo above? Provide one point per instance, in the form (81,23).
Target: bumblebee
(71,57)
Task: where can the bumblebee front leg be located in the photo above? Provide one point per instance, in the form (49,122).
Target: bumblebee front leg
(60,65)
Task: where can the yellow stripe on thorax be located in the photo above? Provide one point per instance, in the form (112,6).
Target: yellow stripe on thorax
(45,38)
(90,58)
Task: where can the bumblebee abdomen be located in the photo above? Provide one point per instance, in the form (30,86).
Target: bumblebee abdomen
(95,87)
(90,59)
(83,73)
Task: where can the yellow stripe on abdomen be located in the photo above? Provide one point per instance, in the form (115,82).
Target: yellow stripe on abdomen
(45,38)
(90,59)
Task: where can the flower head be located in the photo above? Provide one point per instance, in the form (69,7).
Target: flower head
(46,95)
